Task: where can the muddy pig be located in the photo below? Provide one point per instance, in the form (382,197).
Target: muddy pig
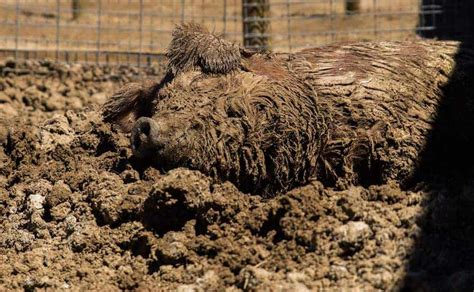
(361,113)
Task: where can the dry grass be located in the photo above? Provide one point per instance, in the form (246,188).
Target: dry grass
(293,26)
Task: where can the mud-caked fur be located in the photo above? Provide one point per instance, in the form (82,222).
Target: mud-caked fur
(193,47)
(359,113)
(129,103)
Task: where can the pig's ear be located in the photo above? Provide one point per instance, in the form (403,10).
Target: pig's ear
(130,103)
(195,47)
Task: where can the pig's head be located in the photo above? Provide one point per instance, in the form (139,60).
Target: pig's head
(233,115)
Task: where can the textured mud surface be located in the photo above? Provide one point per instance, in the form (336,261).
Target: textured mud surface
(78,211)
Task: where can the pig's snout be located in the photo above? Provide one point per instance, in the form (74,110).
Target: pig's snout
(144,137)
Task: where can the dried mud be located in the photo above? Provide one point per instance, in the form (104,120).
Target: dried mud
(78,211)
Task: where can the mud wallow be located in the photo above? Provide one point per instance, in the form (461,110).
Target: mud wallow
(80,211)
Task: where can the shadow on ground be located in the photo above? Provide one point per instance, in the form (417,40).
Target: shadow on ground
(443,258)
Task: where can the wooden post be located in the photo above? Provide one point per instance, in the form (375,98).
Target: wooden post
(352,6)
(77,7)
(256,23)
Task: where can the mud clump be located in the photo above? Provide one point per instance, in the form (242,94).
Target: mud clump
(78,211)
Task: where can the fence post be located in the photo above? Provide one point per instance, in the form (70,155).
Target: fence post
(76,9)
(58,15)
(352,6)
(288,13)
(182,10)
(17,27)
(99,24)
(255,15)
(140,29)
(376,31)
(225,18)
(331,15)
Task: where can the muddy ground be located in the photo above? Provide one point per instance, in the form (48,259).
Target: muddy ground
(78,211)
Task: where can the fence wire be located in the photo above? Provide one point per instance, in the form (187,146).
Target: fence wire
(138,31)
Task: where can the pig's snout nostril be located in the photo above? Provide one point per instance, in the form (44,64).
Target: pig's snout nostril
(143,137)
(145,128)
(143,132)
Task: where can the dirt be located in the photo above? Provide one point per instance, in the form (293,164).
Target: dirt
(78,211)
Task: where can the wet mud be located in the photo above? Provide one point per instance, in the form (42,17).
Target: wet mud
(78,211)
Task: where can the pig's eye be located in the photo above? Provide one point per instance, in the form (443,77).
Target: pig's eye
(196,126)
(260,107)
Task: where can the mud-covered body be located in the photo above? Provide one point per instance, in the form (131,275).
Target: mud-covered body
(383,101)
(356,113)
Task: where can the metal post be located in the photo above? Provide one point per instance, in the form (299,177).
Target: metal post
(77,7)
(99,16)
(140,42)
(421,21)
(225,18)
(236,20)
(17,27)
(151,46)
(391,10)
(58,16)
(130,35)
(288,23)
(182,10)
(255,14)
(375,18)
(332,20)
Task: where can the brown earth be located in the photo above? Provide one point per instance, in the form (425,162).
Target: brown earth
(78,212)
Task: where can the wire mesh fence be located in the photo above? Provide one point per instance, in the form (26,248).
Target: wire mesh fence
(107,30)
(449,19)
(138,31)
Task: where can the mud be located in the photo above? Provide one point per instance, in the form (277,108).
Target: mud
(78,211)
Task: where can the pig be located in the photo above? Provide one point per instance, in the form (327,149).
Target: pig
(360,113)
